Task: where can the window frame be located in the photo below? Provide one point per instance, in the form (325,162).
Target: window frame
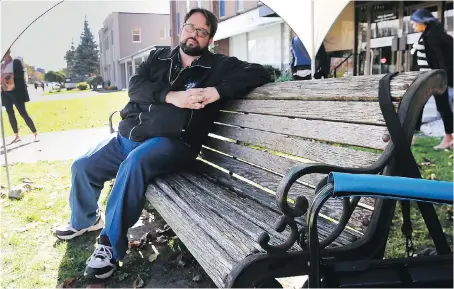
(135,34)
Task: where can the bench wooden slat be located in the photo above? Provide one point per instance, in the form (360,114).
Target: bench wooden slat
(345,111)
(358,88)
(244,189)
(367,136)
(269,161)
(312,151)
(271,181)
(219,211)
(191,234)
(215,223)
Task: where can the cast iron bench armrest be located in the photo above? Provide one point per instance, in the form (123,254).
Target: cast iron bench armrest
(401,188)
(301,203)
(367,185)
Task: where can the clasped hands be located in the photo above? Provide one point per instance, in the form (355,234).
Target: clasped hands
(194,98)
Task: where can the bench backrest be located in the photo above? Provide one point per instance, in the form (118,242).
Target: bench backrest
(333,121)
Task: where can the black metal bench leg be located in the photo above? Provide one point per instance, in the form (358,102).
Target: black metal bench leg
(433,225)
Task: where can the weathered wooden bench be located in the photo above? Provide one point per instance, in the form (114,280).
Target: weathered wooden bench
(224,209)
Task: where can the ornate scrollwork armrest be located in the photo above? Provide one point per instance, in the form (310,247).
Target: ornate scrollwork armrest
(301,204)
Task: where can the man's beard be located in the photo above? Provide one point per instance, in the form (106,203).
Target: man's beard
(192,50)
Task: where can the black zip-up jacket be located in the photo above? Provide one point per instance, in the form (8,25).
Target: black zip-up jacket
(147,114)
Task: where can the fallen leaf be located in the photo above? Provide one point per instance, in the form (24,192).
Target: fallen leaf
(135,244)
(153,258)
(138,283)
(425,164)
(161,239)
(97,285)
(197,278)
(181,260)
(122,276)
(163,230)
(451,156)
(27,180)
(68,283)
(433,177)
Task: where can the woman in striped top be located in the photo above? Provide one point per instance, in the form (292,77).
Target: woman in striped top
(434,51)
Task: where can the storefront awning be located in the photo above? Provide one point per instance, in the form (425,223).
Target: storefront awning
(243,23)
(310,19)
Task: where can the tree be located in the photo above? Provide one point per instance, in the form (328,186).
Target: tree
(52,76)
(86,60)
(70,58)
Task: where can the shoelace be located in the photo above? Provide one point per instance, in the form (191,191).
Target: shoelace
(102,252)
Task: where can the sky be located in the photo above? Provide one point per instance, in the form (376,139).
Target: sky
(45,42)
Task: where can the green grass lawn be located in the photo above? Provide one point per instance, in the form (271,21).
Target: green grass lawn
(77,113)
(435,164)
(31,256)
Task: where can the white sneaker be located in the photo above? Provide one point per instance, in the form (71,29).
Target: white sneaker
(67,232)
(101,264)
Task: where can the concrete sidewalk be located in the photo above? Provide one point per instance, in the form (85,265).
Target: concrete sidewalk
(53,146)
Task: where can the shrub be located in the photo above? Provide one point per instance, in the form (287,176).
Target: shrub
(82,85)
(273,71)
(94,81)
(285,76)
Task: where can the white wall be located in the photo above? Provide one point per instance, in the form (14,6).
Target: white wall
(238,46)
(268,45)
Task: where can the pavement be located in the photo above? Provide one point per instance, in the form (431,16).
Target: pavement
(53,146)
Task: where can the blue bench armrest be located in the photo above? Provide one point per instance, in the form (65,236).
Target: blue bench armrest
(351,185)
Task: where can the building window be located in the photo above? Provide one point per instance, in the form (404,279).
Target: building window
(162,33)
(111,36)
(239,5)
(199,3)
(221,8)
(136,35)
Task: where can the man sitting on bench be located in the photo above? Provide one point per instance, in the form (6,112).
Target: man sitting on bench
(174,98)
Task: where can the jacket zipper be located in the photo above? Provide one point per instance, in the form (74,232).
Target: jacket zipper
(140,119)
(171,83)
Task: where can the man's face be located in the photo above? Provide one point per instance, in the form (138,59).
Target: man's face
(195,35)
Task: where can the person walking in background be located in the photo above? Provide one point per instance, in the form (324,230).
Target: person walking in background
(18,96)
(300,61)
(42,85)
(434,51)
(36,86)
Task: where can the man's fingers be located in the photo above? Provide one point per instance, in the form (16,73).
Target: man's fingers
(197,106)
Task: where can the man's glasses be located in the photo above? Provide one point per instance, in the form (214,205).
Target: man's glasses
(200,31)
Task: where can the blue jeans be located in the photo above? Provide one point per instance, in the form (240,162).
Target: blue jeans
(133,165)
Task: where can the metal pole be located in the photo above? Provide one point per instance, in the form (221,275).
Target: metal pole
(1,117)
(313,40)
(4,150)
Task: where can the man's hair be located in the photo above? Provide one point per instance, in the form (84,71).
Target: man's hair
(211,19)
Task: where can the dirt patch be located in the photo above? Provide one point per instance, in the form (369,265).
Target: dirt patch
(157,259)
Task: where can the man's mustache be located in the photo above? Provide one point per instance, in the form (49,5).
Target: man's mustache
(192,38)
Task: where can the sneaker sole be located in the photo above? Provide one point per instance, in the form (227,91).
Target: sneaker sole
(101,276)
(96,227)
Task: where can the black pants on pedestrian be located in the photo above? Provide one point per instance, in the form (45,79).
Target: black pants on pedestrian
(20,106)
(444,108)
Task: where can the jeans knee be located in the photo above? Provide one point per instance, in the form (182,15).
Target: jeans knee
(80,165)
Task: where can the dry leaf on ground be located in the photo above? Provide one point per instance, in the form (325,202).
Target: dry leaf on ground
(68,283)
(138,283)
